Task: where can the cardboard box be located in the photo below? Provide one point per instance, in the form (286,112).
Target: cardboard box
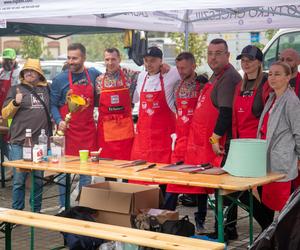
(117,201)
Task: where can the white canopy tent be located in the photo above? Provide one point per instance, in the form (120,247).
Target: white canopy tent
(157,15)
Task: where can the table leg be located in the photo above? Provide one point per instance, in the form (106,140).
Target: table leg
(251,216)
(68,191)
(8,228)
(220,216)
(32,195)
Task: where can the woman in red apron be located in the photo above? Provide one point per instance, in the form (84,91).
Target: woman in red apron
(248,105)
(115,125)
(279,125)
(296,182)
(155,125)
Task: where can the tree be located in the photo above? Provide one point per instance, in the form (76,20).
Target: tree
(197,44)
(32,46)
(270,33)
(96,44)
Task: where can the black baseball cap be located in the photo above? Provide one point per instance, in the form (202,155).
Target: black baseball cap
(154,52)
(252,52)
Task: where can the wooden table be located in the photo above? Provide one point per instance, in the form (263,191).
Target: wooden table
(223,184)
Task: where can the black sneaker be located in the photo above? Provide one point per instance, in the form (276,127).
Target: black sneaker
(188,200)
(231,233)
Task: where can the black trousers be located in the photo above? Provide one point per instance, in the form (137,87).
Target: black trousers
(261,213)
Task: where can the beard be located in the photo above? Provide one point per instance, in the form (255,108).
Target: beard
(7,66)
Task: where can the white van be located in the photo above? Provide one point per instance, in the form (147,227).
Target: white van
(284,38)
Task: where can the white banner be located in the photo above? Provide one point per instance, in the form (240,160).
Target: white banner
(11,9)
(199,20)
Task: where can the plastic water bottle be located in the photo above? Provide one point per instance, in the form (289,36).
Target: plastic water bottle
(43,142)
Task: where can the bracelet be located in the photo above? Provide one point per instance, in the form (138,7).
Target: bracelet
(213,140)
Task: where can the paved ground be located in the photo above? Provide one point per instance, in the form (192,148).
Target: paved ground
(47,239)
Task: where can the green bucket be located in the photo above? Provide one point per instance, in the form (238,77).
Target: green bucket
(247,158)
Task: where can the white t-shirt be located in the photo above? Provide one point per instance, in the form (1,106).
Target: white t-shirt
(171,79)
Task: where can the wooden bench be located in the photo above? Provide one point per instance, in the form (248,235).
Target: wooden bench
(102,231)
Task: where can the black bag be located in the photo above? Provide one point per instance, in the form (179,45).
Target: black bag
(181,227)
(80,242)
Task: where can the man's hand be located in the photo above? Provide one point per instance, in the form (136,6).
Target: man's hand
(19,96)
(62,126)
(165,68)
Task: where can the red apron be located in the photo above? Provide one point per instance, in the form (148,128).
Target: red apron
(115,125)
(297,86)
(296,182)
(4,88)
(185,111)
(81,131)
(199,149)
(155,125)
(276,194)
(244,123)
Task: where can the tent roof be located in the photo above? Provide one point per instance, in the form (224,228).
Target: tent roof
(46,30)
(156,15)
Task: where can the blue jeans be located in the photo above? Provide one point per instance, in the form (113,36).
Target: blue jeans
(19,179)
(84,180)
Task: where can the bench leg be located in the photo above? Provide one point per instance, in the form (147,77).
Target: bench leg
(8,228)
(32,195)
(220,216)
(68,191)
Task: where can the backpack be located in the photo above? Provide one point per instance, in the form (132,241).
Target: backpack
(80,242)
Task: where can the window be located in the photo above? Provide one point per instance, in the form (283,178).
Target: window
(288,40)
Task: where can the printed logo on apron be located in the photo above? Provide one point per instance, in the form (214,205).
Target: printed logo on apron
(156,105)
(114,99)
(200,101)
(241,110)
(149,96)
(179,112)
(150,111)
(185,119)
(144,105)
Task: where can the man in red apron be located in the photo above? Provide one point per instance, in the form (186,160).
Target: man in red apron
(292,58)
(156,122)
(9,76)
(115,124)
(213,114)
(81,130)
(9,73)
(186,96)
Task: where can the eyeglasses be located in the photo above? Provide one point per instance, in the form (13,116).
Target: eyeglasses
(29,72)
(217,53)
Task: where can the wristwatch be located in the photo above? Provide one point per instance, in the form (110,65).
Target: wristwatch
(213,140)
(15,103)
